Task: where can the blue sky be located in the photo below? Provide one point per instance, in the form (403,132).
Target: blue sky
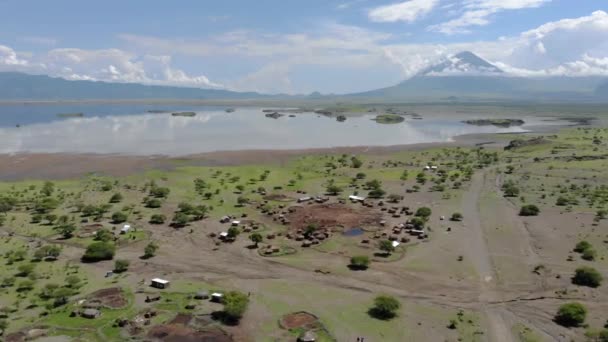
(333,46)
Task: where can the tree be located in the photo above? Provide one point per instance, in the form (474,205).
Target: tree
(98,251)
(589,254)
(571,315)
(116,198)
(159,192)
(104,235)
(47,252)
(386,246)
(235,305)
(510,190)
(359,262)
(25,285)
(67,230)
(376,193)
(417,222)
(582,246)
(456,217)
(423,212)
(603,336)
(360,175)
(150,250)
(121,265)
(180,220)
(256,238)
(233,232)
(333,189)
(153,203)
(385,307)
(529,210)
(47,188)
(587,276)
(72,282)
(158,219)
(356,162)
(562,201)
(119,217)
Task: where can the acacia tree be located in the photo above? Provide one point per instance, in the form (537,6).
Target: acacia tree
(256,238)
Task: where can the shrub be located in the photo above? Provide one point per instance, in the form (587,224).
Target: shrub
(386,246)
(385,307)
(159,192)
(116,198)
(180,220)
(150,250)
(256,238)
(235,305)
(359,262)
(589,254)
(376,193)
(587,276)
(119,217)
(98,251)
(529,210)
(423,212)
(66,230)
(562,201)
(153,203)
(47,252)
(121,265)
(333,189)
(158,219)
(456,217)
(104,235)
(571,315)
(582,246)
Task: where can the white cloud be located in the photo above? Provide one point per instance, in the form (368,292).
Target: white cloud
(408,11)
(478,13)
(9,58)
(111,65)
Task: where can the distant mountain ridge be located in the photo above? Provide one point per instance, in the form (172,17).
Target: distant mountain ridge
(463,77)
(468,77)
(19,86)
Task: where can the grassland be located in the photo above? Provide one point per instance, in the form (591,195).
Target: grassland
(493,273)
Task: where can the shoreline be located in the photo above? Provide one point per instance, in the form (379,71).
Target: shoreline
(25,165)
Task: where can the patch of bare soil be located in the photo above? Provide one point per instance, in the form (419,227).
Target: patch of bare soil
(183,319)
(181,333)
(111,297)
(278,198)
(334,215)
(16,337)
(297,320)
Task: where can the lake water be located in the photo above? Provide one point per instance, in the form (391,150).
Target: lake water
(130,129)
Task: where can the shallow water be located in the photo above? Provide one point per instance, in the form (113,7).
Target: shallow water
(129,129)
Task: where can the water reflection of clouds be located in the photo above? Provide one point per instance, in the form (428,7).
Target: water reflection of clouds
(212,131)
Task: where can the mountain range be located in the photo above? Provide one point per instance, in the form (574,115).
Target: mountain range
(462,77)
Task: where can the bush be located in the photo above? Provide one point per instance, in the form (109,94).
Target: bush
(150,250)
(424,212)
(98,251)
(562,201)
(158,219)
(571,315)
(603,336)
(385,307)
(587,276)
(456,217)
(386,246)
(376,193)
(529,210)
(104,235)
(582,246)
(47,252)
(589,254)
(119,217)
(121,265)
(153,203)
(116,198)
(359,262)
(159,192)
(180,220)
(235,305)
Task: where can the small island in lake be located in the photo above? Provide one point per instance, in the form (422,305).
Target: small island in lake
(274,115)
(70,115)
(229,110)
(186,114)
(388,119)
(504,123)
(157,111)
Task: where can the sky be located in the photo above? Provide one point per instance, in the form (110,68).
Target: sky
(297,47)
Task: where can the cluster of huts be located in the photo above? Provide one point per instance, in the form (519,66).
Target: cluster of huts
(308,240)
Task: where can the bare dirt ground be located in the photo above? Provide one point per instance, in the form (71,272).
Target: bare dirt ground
(332,216)
(112,297)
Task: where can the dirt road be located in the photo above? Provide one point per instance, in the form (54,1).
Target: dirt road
(478,253)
